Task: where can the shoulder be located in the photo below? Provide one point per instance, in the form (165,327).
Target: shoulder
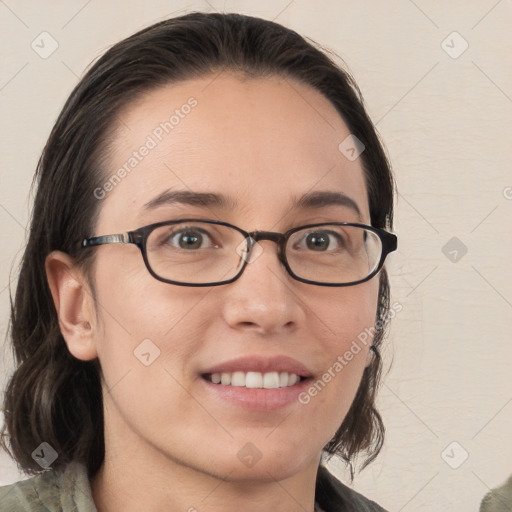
(499,499)
(50,491)
(26,494)
(334,496)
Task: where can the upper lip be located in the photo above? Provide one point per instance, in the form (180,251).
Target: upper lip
(263,364)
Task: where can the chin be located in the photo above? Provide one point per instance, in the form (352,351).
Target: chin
(264,472)
(268,464)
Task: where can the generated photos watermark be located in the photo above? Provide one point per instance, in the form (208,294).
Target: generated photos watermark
(151,142)
(363,339)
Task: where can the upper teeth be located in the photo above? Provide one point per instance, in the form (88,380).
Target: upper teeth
(270,380)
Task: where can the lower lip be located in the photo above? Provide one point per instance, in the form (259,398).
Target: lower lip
(258,399)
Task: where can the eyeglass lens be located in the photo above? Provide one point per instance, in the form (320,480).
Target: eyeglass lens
(199,252)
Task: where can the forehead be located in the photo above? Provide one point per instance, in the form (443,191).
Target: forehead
(263,142)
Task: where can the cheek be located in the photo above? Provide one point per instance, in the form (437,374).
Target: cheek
(351,316)
(141,320)
(148,333)
(354,345)
(345,350)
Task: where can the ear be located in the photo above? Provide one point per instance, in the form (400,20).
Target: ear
(370,355)
(74,305)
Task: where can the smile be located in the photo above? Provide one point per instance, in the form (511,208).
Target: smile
(254,380)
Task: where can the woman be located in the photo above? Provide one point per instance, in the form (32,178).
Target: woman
(202,298)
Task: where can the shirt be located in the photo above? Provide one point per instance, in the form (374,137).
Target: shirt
(499,499)
(68,489)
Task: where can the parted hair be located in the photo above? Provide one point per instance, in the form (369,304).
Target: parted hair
(54,397)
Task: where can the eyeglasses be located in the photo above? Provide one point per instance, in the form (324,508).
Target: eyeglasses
(192,252)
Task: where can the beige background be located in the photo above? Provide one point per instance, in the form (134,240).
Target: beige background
(446,124)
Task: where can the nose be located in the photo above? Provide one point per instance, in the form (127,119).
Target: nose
(263,298)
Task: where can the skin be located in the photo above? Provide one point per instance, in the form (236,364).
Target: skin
(169,445)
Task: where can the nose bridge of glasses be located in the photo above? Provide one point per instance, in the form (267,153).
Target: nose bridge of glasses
(278,238)
(267,235)
(258,236)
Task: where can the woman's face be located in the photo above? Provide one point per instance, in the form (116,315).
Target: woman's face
(262,143)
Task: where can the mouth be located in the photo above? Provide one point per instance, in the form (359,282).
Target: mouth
(257,382)
(254,380)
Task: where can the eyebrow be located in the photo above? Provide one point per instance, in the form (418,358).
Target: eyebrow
(309,201)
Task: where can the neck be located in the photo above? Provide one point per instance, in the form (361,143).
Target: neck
(128,487)
(137,476)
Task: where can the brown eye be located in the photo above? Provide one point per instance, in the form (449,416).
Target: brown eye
(321,241)
(186,238)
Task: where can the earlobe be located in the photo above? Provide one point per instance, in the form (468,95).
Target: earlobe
(73,303)
(370,356)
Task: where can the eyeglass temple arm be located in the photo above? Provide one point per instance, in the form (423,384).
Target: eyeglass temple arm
(391,241)
(123,238)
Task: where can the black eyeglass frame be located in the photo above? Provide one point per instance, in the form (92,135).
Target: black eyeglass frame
(139,238)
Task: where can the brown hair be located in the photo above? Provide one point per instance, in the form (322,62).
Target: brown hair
(55,398)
